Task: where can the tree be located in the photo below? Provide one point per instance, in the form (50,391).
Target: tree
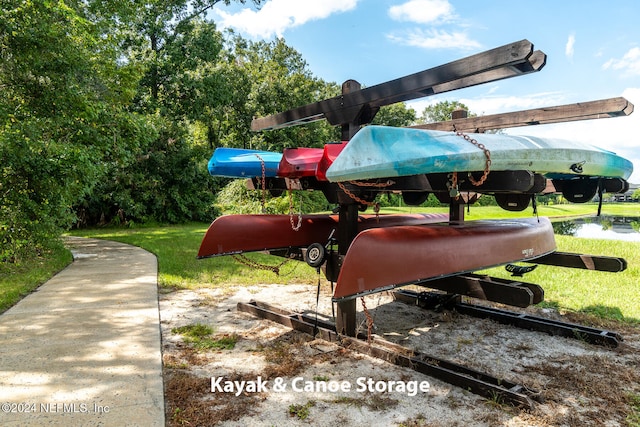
(155,36)
(275,78)
(279,79)
(61,115)
(183,81)
(441,111)
(395,115)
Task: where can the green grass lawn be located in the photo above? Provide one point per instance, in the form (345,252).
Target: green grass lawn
(608,295)
(480,212)
(18,280)
(177,246)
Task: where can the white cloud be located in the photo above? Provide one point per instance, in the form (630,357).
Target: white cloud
(276,16)
(431,12)
(486,105)
(629,64)
(501,104)
(434,39)
(569,48)
(618,134)
(423,11)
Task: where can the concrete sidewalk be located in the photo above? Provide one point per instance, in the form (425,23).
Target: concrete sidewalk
(84,349)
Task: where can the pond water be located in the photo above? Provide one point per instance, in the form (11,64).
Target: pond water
(603,227)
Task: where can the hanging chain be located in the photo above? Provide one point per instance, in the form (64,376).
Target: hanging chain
(487,154)
(250,263)
(294,226)
(452,185)
(372,184)
(376,205)
(315,326)
(369,320)
(264,183)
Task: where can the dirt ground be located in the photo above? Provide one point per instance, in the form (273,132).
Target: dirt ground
(323,384)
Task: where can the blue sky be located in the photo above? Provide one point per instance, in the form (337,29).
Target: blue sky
(592,47)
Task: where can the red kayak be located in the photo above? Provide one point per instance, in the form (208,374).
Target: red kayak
(383,258)
(231,234)
(299,162)
(329,154)
(306,162)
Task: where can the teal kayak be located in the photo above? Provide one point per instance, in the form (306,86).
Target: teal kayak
(383,152)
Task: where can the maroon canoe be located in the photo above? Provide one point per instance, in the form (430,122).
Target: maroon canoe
(231,234)
(384,258)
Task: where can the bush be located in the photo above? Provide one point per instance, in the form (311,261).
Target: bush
(235,198)
(164,180)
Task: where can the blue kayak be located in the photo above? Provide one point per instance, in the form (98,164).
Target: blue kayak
(243,163)
(383,152)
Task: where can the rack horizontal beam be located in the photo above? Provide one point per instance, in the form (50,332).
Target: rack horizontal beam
(360,106)
(601,109)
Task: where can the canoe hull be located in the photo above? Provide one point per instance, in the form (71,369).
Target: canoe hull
(381,259)
(232,234)
(382,152)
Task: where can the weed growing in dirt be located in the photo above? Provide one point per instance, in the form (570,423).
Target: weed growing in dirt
(201,337)
(373,402)
(633,418)
(301,411)
(496,400)
(418,421)
(282,359)
(196,330)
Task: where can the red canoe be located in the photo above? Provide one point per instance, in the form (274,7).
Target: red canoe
(384,258)
(231,234)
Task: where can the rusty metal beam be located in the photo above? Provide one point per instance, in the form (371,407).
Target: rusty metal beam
(360,106)
(582,261)
(601,109)
(477,382)
(504,291)
(519,320)
(552,327)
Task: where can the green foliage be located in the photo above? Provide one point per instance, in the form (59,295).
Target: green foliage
(197,330)
(198,91)
(235,198)
(279,79)
(441,111)
(397,115)
(58,107)
(165,179)
(201,337)
(633,419)
(301,411)
(17,280)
